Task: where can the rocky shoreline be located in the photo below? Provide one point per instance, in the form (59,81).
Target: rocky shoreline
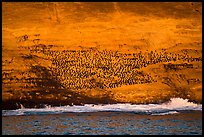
(111,97)
(79,53)
(65,83)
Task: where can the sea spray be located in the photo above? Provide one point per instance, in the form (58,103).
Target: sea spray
(171,107)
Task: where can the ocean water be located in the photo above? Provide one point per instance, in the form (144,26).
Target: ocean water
(176,117)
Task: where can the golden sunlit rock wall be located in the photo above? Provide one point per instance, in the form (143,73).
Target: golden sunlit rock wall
(103,52)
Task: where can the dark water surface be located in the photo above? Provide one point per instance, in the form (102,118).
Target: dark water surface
(104,123)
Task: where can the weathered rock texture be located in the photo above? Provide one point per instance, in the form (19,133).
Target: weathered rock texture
(76,53)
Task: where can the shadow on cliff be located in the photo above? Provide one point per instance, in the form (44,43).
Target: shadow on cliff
(51,92)
(181,88)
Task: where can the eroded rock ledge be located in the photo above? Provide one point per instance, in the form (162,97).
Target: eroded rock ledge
(67,77)
(76,53)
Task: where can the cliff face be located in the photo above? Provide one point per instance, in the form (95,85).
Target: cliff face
(76,53)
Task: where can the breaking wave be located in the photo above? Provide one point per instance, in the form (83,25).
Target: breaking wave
(174,106)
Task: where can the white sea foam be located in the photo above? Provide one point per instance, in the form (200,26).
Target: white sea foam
(172,107)
(166,113)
